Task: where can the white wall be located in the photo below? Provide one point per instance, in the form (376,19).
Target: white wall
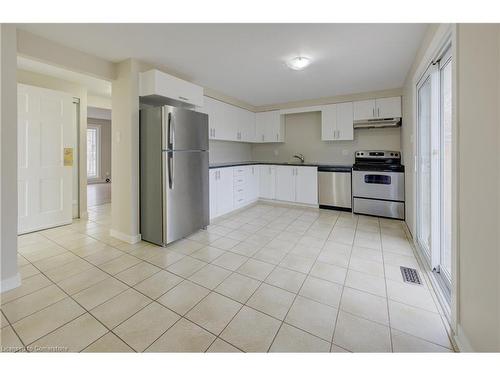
(125,152)
(478,86)
(41,49)
(9,277)
(303,135)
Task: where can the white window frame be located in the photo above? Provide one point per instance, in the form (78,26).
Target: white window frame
(97,176)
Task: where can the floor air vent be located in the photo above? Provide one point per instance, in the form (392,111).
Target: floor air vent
(410,275)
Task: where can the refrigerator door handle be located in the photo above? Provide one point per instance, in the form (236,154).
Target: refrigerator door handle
(170,170)
(170,130)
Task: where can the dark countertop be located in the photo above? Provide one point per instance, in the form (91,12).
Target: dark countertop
(332,167)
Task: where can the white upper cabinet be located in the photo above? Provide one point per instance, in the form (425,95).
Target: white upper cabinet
(248,127)
(228,122)
(345,119)
(155,82)
(389,107)
(377,108)
(337,122)
(364,109)
(269,127)
(329,122)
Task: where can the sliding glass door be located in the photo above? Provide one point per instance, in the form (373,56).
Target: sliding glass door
(434,167)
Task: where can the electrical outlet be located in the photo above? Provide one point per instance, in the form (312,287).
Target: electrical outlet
(345,152)
(276,152)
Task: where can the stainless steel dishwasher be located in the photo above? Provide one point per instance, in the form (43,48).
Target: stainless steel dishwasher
(334,188)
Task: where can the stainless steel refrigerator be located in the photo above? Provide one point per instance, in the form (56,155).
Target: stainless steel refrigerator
(173,173)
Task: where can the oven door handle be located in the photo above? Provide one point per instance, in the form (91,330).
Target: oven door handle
(379,179)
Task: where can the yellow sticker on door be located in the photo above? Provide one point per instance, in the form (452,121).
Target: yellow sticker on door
(68,157)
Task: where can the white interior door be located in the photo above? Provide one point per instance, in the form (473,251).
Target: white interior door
(45,130)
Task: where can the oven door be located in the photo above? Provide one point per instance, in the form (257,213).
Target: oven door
(378,185)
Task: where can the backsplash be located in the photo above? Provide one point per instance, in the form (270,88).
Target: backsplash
(303,135)
(226,151)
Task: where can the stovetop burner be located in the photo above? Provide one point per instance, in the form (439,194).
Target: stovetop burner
(378,161)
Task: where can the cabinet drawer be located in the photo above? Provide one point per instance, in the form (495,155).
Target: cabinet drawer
(239,180)
(238,171)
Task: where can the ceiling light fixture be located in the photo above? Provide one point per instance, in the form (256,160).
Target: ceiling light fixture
(298,63)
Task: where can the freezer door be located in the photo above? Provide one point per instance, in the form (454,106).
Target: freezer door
(186,200)
(184,129)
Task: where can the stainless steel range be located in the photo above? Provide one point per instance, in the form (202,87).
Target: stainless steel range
(378,184)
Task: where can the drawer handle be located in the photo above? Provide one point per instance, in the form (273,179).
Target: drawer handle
(183,98)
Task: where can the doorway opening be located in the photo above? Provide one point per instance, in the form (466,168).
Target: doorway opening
(98,156)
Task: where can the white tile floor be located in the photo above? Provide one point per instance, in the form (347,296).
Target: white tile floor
(267,278)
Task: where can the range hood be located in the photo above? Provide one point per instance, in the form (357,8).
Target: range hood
(392,122)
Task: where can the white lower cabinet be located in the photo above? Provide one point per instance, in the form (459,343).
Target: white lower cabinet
(297,184)
(235,187)
(306,185)
(221,191)
(267,183)
(232,188)
(285,183)
(252,183)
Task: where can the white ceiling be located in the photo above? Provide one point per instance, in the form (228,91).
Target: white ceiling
(247,61)
(95,86)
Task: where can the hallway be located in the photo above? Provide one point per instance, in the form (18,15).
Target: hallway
(98,194)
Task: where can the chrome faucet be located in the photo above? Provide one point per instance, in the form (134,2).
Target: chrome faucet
(300,157)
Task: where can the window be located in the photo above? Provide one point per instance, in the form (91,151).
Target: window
(93,154)
(434,167)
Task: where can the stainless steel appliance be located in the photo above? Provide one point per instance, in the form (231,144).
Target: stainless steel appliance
(378,184)
(334,188)
(392,122)
(173,173)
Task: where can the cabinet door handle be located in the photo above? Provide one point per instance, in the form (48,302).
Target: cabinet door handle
(378,112)
(276,136)
(262,137)
(373,112)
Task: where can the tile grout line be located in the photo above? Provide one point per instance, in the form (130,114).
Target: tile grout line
(386,290)
(343,286)
(298,292)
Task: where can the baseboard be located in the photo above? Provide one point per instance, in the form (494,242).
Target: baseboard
(125,237)
(462,342)
(10,283)
(286,203)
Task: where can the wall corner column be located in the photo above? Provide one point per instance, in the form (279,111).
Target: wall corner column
(125,152)
(9,276)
